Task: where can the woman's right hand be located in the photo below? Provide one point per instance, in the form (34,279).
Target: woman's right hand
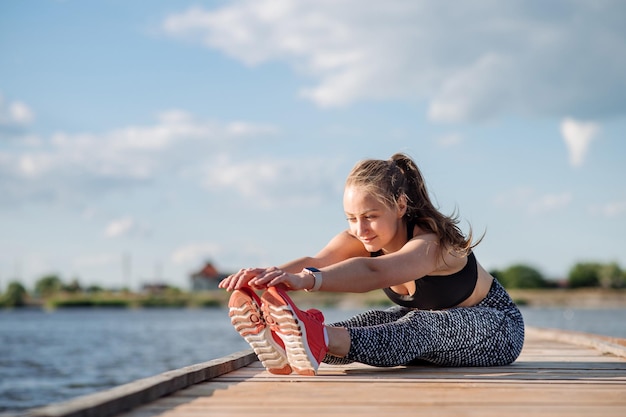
(240,278)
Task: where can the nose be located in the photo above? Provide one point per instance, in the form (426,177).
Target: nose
(361,228)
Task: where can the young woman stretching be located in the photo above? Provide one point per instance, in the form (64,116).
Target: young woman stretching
(449,312)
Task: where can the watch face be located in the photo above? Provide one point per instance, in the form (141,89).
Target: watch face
(310,268)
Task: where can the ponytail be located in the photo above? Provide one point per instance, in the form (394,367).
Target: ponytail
(400,178)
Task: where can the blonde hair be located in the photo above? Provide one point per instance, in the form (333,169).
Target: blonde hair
(399,178)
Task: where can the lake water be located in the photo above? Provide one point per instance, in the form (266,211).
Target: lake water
(48,357)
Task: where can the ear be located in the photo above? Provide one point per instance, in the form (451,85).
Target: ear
(402,206)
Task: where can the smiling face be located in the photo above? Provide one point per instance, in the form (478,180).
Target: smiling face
(375,224)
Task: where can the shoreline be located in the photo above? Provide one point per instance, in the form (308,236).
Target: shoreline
(592,298)
(550,297)
(578,298)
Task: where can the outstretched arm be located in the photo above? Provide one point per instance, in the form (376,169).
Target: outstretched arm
(417,258)
(341,247)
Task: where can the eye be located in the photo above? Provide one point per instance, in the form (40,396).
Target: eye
(351,219)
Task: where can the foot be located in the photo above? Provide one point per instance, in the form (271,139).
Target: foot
(246,316)
(301,331)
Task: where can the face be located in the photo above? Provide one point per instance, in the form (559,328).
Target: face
(372,222)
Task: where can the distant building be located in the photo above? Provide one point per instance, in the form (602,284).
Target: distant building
(154,288)
(206,278)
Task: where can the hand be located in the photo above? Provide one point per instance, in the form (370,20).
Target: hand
(273,276)
(241,278)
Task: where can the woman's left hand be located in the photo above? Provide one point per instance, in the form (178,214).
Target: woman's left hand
(274,276)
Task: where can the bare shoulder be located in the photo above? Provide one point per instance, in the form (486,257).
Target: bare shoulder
(423,243)
(416,258)
(341,247)
(424,249)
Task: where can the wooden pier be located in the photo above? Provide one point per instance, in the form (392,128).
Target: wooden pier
(559,373)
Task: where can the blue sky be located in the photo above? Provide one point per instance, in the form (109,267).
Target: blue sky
(139,139)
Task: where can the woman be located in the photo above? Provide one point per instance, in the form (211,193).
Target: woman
(450,311)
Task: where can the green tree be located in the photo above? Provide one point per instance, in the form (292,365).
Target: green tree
(521,276)
(611,276)
(584,274)
(73,286)
(94,289)
(48,285)
(15,295)
(171,290)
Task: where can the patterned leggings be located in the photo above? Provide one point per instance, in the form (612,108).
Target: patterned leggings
(490,333)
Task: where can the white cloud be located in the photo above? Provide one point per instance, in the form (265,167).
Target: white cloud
(610,210)
(98,260)
(528,200)
(272,182)
(195,252)
(78,165)
(15,113)
(127,226)
(472,61)
(577,136)
(549,203)
(89,213)
(450,140)
(515,197)
(119,227)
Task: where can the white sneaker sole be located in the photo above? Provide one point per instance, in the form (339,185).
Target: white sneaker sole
(245,319)
(293,335)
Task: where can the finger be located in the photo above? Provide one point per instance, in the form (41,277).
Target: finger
(231,282)
(282,278)
(266,277)
(240,281)
(245,276)
(226,282)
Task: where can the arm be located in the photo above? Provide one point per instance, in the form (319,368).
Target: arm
(341,247)
(415,259)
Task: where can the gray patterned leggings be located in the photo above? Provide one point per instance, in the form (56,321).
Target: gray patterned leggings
(490,333)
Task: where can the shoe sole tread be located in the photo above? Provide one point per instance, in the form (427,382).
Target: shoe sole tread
(287,324)
(258,337)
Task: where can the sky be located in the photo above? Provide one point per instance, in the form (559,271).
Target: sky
(140,139)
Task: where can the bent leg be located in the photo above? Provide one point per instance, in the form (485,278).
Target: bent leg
(365,319)
(488,334)
(458,337)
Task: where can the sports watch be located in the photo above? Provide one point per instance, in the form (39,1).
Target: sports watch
(317,276)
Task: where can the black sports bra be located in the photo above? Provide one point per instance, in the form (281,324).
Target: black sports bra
(436,292)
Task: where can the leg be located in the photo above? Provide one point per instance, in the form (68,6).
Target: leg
(373,317)
(339,337)
(488,334)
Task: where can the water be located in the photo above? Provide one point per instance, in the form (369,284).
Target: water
(48,357)
(608,322)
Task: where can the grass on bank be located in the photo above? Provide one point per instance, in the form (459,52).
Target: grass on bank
(573,298)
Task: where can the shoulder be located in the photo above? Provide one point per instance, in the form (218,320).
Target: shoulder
(423,247)
(416,258)
(423,241)
(425,255)
(341,247)
(441,260)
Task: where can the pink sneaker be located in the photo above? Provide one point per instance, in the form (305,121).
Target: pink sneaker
(245,314)
(301,331)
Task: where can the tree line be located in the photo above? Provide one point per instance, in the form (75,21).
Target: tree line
(583,274)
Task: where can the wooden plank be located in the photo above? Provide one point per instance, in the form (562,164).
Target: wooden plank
(367,398)
(125,397)
(556,374)
(551,378)
(605,344)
